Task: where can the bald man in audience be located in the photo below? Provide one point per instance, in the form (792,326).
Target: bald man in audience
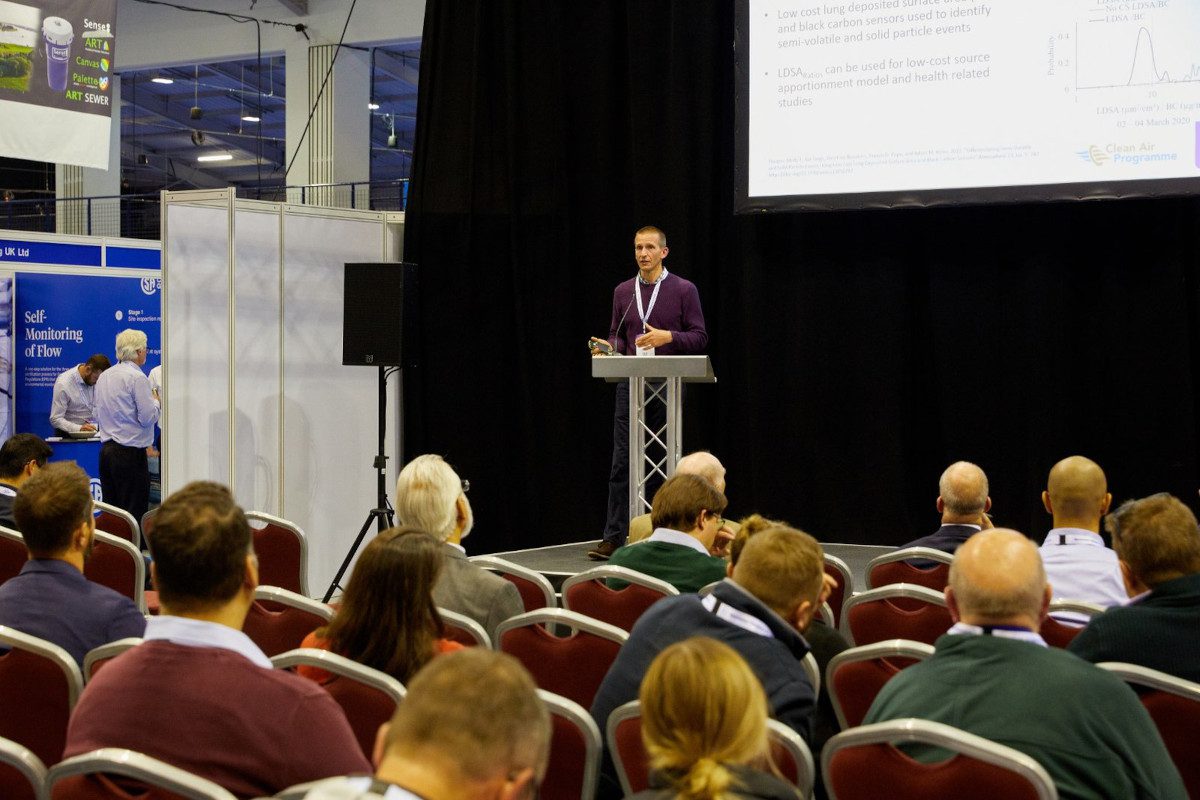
(471,727)
(707,466)
(1158,544)
(963,503)
(993,675)
(1078,564)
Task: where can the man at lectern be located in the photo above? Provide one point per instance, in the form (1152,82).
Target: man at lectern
(667,320)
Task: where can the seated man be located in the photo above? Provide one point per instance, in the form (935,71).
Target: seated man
(707,466)
(1078,565)
(21,455)
(431,496)
(198,693)
(51,599)
(776,588)
(686,514)
(1158,544)
(963,503)
(994,676)
(471,726)
(73,403)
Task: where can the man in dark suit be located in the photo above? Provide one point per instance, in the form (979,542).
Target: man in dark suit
(963,503)
(1158,544)
(20,457)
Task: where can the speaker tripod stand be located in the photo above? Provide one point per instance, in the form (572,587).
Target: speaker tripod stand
(382,514)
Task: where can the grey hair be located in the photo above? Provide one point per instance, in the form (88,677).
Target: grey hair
(129,342)
(427,492)
(964,488)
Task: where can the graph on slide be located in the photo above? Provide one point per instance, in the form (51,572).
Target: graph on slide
(1139,44)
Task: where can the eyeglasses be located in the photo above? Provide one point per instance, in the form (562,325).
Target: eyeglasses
(466,485)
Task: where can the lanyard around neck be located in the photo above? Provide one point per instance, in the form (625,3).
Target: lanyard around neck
(637,293)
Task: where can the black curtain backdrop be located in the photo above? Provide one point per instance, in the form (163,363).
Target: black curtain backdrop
(858,353)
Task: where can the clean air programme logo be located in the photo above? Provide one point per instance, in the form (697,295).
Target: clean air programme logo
(1093,154)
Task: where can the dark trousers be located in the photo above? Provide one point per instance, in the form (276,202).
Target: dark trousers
(125,478)
(616,527)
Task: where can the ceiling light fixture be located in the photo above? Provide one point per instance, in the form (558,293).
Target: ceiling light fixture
(250,118)
(216,157)
(373,106)
(163,79)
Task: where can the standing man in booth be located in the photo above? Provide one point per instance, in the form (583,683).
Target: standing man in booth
(127,410)
(655,312)
(72,406)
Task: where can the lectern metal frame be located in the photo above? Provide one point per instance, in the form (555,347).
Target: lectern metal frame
(665,376)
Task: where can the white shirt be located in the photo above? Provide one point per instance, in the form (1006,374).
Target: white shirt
(72,403)
(1080,567)
(156,384)
(677,537)
(199,633)
(125,408)
(1020,634)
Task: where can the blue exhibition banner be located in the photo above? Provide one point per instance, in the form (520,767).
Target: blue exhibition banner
(60,320)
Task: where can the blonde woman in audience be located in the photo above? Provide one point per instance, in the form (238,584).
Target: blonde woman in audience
(387,618)
(704,725)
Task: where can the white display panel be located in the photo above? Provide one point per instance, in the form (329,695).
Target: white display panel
(330,411)
(196,344)
(910,101)
(257,379)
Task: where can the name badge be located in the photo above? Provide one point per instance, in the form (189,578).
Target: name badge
(645,351)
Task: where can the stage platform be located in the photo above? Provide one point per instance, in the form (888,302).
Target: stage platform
(560,561)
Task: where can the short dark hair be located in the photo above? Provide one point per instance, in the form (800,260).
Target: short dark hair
(679,501)
(199,544)
(55,501)
(19,450)
(98,362)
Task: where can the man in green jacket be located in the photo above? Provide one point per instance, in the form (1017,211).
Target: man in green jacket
(994,676)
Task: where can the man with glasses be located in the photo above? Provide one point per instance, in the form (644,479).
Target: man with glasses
(126,410)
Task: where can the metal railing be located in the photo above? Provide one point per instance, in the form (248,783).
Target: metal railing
(137,216)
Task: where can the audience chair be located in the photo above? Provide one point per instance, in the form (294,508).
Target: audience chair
(39,684)
(119,523)
(22,774)
(464,630)
(536,592)
(147,523)
(113,773)
(809,663)
(367,696)
(587,593)
(13,554)
(707,589)
(878,614)
(896,567)
(276,632)
(282,550)
(575,749)
(864,764)
(97,657)
(119,565)
(854,677)
(1058,633)
(826,614)
(624,736)
(840,572)
(572,666)
(1174,705)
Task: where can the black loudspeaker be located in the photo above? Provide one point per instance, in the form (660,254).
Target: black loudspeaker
(379,314)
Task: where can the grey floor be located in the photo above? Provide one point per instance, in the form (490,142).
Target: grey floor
(560,561)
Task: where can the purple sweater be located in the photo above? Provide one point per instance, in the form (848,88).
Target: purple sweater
(677,310)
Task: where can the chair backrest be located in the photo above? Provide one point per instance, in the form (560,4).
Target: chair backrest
(39,684)
(575,749)
(1061,634)
(536,592)
(1174,705)
(572,666)
(367,696)
(587,594)
(854,677)
(878,614)
(147,522)
(863,764)
(813,671)
(97,657)
(895,567)
(840,571)
(119,523)
(89,777)
(22,774)
(119,565)
(464,630)
(282,550)
(624,736)
(276,632)
(13,554)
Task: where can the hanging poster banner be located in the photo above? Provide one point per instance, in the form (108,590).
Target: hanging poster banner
(56,90)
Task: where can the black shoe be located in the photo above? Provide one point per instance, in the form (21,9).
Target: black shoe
(602,551)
